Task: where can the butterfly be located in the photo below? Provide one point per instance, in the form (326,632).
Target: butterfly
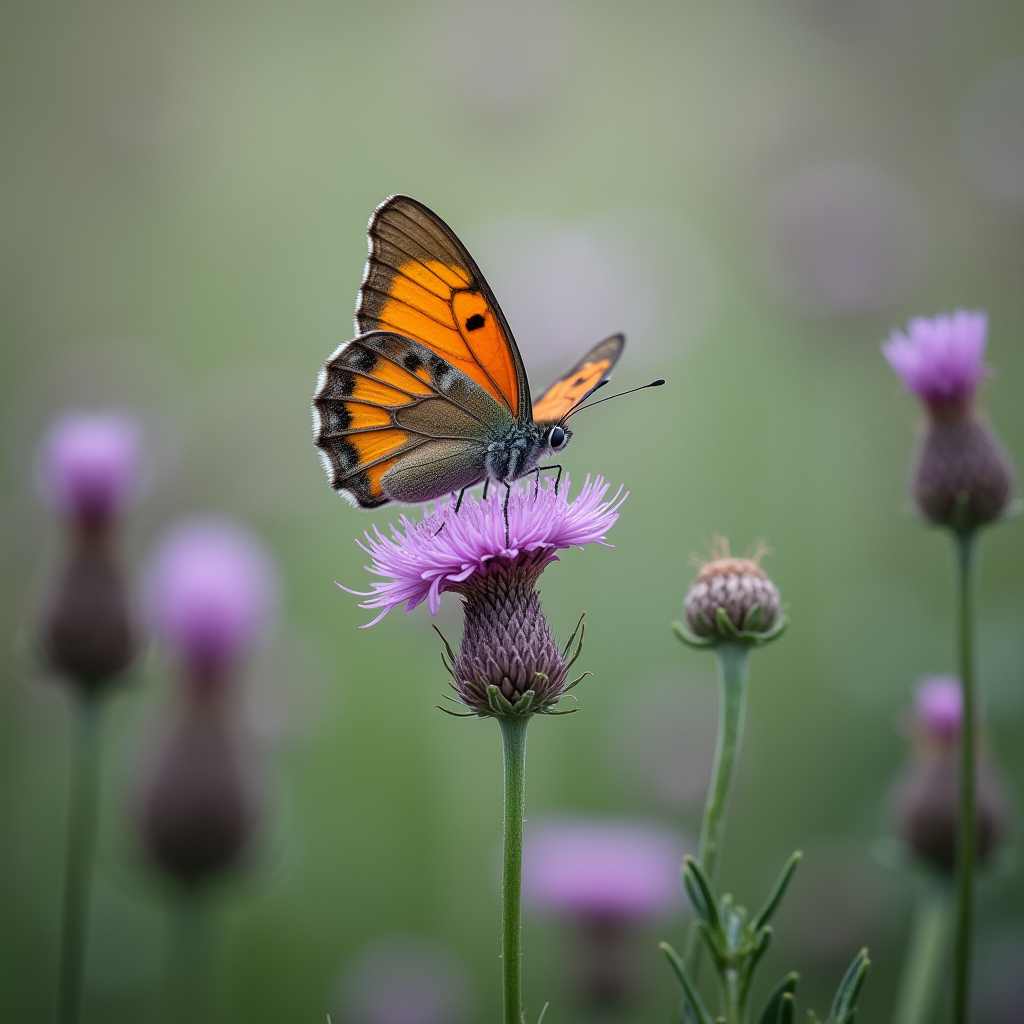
(432,397)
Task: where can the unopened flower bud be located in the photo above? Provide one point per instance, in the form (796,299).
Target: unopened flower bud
(198,809)
(926,803)
(962,477)
(732,599)
(88,631)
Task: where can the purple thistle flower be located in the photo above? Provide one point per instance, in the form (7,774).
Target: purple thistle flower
(211,591)
(89,465)
(420,561)
(941,360)
(939,706)
(508,661)
(601,870)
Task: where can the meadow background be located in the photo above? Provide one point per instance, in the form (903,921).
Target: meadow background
(756,193)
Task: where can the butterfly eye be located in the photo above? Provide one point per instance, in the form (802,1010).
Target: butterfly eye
(556,439)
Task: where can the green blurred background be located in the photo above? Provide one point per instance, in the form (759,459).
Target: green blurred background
(757,193)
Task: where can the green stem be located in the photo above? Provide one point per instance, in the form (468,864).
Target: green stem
(81,843)
(513,741)
(923,969)
(967,841)
(734,1000)
(188,977)
(733,661)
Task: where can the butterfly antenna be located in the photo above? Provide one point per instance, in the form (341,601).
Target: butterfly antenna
(579,407)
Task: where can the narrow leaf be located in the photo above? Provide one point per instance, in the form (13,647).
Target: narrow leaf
(708,903)
(844,1006)
(771,904)
(787,1009)
(689,989)
(772,1007)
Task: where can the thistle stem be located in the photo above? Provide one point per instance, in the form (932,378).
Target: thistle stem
(81,843)
(967,841)
(733,661)
(923,969)
(188,977)
(513,741)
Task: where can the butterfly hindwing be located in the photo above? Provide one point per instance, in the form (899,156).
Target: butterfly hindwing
(573,387)
(421,282)
(383,398)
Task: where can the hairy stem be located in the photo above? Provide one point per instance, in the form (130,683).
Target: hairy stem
(967,840)
(733,660)
(81,842)
(513,741)
(926,952)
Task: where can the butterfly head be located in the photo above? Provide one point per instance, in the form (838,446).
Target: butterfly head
(556,437)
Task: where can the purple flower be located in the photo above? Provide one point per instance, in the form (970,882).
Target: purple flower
(89,465)
(419,561)
(939,706)
(211,592)
(941,360)
(605,870)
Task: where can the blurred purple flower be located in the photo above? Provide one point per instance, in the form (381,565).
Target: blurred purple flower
(420,561)
(939,706)
(941,360)
(89,465)
(603,870)
(210,593)
(405,980)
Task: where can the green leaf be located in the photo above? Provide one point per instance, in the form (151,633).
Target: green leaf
(702,893)
(844,1007)
(690,992)
(761,944)
(692,639)
(498,701)
(752,620)
(525,702)
(773,1006)
(764,915)
(787,1009)
(725,625)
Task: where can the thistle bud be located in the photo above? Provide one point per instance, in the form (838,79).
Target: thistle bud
(210,593)
(87,471)
(926,803)
(732,599)
(962,477)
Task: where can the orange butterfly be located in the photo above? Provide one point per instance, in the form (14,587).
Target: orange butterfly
(432,396)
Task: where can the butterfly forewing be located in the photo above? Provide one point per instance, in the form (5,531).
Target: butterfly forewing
(422,283)
(573,387)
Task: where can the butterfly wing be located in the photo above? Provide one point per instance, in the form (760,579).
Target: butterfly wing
(573,387)
(422,283)
(396,422)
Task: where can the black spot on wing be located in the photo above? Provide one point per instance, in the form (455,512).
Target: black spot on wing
(475,322)
(411,362)
(334,418)
(439,368)
(339,384)
(363,360)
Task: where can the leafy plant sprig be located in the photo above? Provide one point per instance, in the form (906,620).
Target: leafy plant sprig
(737,943)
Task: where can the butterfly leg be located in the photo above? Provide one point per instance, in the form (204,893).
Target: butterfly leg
(558,479)
(508,494)
(487,483)
(458,505)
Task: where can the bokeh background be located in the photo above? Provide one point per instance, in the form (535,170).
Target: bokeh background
(757,193)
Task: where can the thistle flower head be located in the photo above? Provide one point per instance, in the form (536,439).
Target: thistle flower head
(925,806)
(211,590)
(508,661)
(962,478)
(732,599)
(942,359)
(89,466)
(602,869)
(939,707)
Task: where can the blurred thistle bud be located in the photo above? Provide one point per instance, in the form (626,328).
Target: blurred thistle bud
(925,808)
(732,599)
(87,470)
(607,878)
(210,594)
(211,591)
(508,662)
(962,476)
